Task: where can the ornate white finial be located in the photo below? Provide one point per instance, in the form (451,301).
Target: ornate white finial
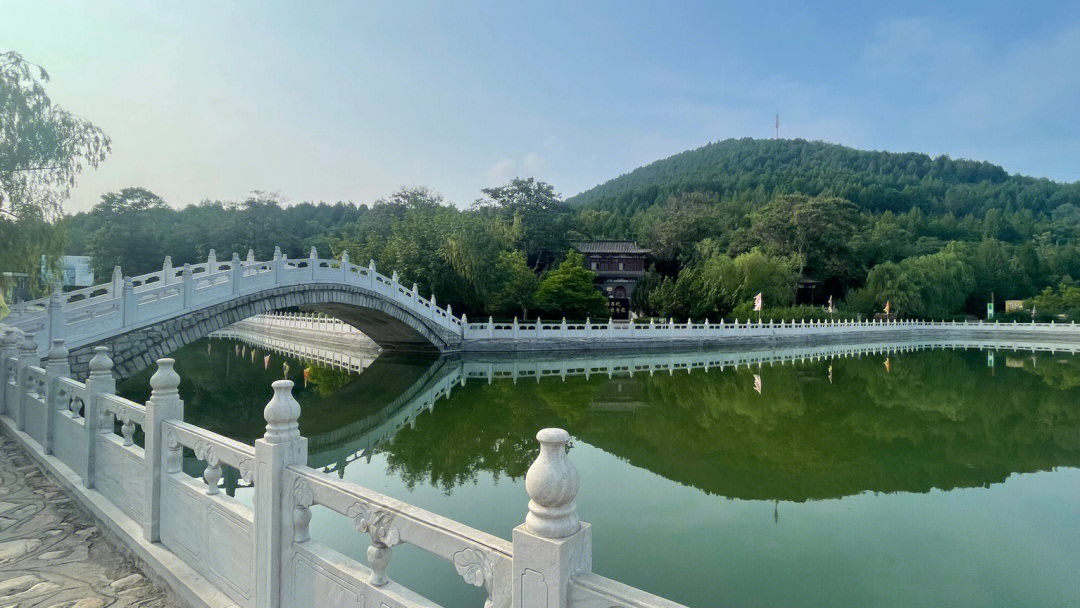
(235,258)
(212,256)
(552,483)
(313,253)
(101,364)
(371,265)
(128,284)
(10,340)
(29,344)
(344,257)
(165,380)
(414,291)
(168,262)
(277,252)
(58,352)
(393,277)
(251,255)
(450,310)
(117,273)
(281,414)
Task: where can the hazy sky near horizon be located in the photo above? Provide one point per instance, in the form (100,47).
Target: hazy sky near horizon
(350,102)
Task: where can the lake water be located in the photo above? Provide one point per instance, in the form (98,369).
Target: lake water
(929,478)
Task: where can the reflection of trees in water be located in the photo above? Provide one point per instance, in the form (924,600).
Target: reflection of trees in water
(938,420)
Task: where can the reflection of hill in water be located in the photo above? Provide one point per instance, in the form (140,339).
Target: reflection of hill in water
(938,419)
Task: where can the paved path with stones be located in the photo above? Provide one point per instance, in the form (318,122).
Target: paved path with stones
(51,553)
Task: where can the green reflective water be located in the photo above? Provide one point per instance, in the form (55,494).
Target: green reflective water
(935,480)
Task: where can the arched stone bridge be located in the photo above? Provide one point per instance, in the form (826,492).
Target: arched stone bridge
(147,317)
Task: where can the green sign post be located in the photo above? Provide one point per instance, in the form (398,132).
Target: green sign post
(989,311)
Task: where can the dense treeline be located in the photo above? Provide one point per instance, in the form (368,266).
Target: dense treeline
(507,255)
(935,237)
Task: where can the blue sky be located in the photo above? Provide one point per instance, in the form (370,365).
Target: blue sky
(350,102)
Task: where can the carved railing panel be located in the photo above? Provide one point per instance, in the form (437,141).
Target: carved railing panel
(212,532)
(480,558)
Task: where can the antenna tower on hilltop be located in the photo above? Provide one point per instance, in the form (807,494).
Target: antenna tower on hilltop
(778,124)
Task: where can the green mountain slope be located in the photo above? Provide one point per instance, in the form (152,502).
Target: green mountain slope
(755,170)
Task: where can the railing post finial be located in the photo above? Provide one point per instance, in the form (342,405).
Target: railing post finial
(58,352)
(552,483)
(281,414)
(28,348)
(164,404)
(101,364)
(552,545)
(275,505)
(165,381)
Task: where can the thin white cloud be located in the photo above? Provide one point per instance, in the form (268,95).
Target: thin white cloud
(535,164)
(501,172)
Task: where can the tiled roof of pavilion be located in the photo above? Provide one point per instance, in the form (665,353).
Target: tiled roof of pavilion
(609,247)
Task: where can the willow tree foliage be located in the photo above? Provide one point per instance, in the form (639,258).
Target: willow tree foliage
(43,149)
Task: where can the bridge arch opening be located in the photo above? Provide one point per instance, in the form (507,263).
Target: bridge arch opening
(394,327)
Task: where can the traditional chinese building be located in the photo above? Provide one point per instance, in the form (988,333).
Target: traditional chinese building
(618,266)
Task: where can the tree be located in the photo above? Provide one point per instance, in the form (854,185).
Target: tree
(928,286)
(568,290)
(682,221)
(646,285)
(715,284)
(541,214)
(131,235)
(43,148)
(817,231)
(516,285)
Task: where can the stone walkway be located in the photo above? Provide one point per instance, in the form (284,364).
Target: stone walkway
(51,553)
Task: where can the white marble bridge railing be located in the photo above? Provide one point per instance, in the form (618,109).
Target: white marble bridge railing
(86,315)
(216,551)
(613,331)
(563,335)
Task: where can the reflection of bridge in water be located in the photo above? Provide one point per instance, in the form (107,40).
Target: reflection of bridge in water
(335,448)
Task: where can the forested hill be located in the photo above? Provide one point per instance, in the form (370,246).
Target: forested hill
(754,170)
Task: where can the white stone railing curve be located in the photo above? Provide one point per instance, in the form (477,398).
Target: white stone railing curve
(88,315)
(213,550)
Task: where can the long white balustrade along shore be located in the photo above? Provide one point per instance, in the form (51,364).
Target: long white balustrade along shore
(188,303)
(213,550)
(515,336)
